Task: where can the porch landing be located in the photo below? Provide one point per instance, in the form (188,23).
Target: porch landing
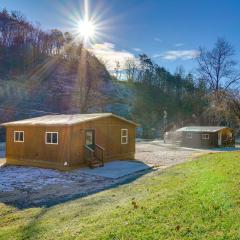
(116,169)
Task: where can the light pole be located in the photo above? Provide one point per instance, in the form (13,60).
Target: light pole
(164,120)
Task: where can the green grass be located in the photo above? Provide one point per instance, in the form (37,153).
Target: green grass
(194,200)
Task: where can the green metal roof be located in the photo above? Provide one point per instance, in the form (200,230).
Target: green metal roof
(201,129)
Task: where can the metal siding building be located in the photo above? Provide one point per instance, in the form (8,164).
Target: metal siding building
(206,136)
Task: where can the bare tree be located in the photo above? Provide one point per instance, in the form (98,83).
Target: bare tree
(217,66)
(131,69)
(118,70)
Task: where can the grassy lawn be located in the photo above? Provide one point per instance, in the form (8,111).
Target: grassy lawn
(194,200)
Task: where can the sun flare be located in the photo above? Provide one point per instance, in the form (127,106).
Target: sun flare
(87,24)
(86,30)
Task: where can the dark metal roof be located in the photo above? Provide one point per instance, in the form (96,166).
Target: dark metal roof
(201,129)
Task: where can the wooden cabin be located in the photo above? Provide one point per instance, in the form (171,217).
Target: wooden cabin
(66,142)
(206,136)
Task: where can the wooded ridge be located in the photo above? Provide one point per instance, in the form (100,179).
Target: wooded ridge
(44,72)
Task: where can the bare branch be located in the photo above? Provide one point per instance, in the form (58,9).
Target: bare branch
(217,67)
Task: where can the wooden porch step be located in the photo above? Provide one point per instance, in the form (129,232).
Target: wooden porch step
(96,163)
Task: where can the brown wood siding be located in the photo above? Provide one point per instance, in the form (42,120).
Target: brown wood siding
(108,136)
(34,149)
(70,148)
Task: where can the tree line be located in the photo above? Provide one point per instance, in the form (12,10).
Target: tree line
(51,71)
(46,70)
(163,101)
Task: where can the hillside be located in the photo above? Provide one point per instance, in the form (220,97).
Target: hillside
(53,87)
(45,72)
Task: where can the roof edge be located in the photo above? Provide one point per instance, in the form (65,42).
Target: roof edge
(14,123)
(184,129)
(109,115)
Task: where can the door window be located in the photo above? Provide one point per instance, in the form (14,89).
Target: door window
(89,137)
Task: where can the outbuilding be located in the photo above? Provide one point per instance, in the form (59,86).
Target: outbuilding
(66,142)
(206,136)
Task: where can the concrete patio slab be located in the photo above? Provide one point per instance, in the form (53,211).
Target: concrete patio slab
(2,154)
(2,162)
(116,169)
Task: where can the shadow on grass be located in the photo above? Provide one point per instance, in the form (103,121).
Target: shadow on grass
(31,230)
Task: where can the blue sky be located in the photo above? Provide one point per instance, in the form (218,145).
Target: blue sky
(169,31)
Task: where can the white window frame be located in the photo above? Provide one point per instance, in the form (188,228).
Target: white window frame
(46,142)
(189,135)
(15,140)
(123,136)
(205,136)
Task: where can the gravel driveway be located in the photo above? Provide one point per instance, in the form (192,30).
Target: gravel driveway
(158,154)
(29,186)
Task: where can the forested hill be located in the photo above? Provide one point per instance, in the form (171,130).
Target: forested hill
(46,72)
(51,72)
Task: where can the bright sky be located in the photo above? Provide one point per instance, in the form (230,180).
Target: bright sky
(169,31)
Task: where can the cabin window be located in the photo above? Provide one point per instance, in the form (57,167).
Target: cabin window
(124,136)
(205,136)
(189,135)
(51,138)
(18,136)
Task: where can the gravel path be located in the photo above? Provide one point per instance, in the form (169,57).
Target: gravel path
(158,154)
(29,186)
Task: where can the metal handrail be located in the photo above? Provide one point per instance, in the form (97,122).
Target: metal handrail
(101,157)
(88,148)
(100,147)
(90,154)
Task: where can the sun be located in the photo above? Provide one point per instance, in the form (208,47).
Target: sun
(87,27)
(87,30)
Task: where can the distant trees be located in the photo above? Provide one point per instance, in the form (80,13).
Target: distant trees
(24,45)
(209,98)
(234,102)
(155,91)
(131,70)
(59,74)
(53,72)
(221,74)
(217,67)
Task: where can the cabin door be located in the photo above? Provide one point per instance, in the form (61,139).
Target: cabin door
(90,138)
(219,139)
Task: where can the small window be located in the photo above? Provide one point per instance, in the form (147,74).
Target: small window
(51,138)
(124,136)
(189,135)
(205,136)
(18,136)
